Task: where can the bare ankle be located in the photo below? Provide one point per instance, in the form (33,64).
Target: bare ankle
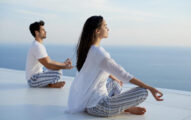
(57,85)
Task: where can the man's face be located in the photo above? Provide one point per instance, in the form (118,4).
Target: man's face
(41,33)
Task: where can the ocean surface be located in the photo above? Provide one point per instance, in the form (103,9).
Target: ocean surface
(164,67)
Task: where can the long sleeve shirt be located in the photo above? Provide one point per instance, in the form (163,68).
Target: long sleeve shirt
(89,85)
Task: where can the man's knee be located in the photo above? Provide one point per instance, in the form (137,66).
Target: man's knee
(60,72)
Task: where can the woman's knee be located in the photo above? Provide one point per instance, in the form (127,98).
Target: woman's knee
(143,92)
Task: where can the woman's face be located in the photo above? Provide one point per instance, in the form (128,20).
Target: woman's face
(102,32)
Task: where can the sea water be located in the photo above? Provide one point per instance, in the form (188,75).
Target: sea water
(164,67)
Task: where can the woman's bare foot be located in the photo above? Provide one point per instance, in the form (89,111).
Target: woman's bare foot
(136,110)
(57,85)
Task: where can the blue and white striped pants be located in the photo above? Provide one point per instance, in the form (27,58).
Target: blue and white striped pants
(113,88)
(113,105)
(45,78)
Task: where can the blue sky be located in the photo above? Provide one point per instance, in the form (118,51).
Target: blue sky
(131,22)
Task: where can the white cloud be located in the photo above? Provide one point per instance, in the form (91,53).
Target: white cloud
(83,7)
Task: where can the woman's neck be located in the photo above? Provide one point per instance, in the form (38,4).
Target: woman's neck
(97,43)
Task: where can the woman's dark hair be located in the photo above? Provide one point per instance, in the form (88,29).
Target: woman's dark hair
(87,39)
(35,27)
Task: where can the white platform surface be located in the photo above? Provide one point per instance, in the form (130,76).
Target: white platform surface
(19,102)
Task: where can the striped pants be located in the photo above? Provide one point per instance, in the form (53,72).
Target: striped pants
(45,78)
(113,88)
(113,105)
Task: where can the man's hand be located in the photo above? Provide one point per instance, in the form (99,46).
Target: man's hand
(68,64)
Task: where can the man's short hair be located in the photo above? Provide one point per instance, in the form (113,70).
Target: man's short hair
(35,27)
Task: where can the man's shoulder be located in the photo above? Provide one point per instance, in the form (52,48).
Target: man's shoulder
(37,45)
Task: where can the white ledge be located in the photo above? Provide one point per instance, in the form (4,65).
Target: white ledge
(19,102)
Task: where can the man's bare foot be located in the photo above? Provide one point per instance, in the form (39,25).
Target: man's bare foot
(57,85)
(136,110)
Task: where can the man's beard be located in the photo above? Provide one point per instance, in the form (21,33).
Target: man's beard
(43,37)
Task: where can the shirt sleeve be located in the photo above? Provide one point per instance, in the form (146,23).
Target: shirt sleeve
(110,66)
(40,52)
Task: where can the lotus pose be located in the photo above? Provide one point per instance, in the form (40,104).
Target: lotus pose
(89,91)
(38,58)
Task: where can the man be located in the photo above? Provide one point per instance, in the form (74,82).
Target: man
(38,58)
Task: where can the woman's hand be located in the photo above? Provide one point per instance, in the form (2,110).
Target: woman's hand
(156,94)
(117,80)
(120,83)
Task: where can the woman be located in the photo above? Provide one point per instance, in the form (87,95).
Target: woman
(88,91)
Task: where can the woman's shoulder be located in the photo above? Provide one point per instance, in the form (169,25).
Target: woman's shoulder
(99,51)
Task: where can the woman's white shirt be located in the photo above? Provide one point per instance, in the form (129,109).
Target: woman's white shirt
(89,85)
